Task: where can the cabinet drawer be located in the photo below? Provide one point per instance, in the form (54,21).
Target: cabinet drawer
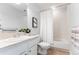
(15,49)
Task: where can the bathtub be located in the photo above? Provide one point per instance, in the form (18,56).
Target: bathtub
(62,44)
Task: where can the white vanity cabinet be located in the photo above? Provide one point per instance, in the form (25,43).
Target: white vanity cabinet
(31,51)
(32,47)
(26,47)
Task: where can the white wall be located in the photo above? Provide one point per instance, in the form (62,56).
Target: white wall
(33,11)
(73,10)
(74,14)
(10,17)
(62,27)
(61,23)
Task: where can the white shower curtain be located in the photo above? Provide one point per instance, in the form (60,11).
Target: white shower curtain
(46,26)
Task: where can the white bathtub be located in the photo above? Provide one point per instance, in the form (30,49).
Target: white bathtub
(62,44)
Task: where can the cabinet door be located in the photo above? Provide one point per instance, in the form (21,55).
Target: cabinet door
(24,53)
(33,50)
(33,42)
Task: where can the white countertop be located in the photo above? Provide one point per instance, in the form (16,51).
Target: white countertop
(14,40)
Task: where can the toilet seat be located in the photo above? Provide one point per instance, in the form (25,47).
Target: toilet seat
(44,44)
(43,47)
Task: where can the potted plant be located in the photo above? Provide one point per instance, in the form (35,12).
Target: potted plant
(26,30)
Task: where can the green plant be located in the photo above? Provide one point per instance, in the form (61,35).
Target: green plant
(25,30)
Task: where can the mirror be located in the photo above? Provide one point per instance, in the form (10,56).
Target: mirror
(13,16)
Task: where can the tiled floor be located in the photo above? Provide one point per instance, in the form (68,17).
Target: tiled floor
(58,51)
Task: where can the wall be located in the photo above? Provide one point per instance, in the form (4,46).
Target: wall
(62,27)
(10,17)
(33,11)
(73,11)
(61,23)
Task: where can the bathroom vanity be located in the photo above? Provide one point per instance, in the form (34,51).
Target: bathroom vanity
(21,45)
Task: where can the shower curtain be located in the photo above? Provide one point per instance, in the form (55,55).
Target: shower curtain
(46,26)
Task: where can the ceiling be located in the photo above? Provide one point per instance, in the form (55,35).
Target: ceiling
(41,6)
(20,7)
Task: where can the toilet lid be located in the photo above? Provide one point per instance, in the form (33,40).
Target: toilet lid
(44,44)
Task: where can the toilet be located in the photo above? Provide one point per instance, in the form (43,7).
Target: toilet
(43,47)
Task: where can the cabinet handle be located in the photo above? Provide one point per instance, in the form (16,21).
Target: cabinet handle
(30,51)
(25,54)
